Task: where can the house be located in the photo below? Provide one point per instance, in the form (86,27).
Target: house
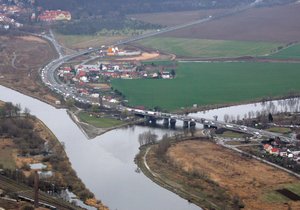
(155,76)
(166,75)
(268,147)
(274,151)
(283,153)
(54,15)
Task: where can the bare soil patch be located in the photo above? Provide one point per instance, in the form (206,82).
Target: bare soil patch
(250,179)
(277,24)
(33,39)
(21,58)
(142,57)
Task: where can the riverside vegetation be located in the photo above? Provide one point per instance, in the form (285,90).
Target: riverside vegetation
(197,169)
(27,140)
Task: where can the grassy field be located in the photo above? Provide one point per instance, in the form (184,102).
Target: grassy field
(209,48)
(212,83)
(292,52)
(232,134)
(99,122)
(279,130)
(274,196)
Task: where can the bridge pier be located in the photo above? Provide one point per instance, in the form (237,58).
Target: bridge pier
(185,124)
(153,120)
(166,122)
(173,123)
(192,124)
(150,120)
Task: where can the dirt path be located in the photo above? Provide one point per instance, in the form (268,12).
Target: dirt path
(13,60)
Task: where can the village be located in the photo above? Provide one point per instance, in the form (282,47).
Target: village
(93,79)
(17,13)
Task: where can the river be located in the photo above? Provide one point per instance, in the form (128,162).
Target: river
(105,164)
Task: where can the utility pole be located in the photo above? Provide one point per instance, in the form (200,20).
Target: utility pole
(36,189)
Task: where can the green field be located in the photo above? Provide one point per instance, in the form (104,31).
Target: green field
(99,122)
(212,83)
(209,48)
(291,52)
(279,130)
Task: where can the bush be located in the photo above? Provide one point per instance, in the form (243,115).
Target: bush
(27,207)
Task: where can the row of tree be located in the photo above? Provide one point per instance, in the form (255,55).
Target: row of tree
(10,110)
(81,8)
(94,25)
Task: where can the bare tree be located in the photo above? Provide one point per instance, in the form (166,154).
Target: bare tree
(147,138)
(226,118)
(26,111)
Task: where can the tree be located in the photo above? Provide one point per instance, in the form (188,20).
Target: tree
(70,103)
(147,138)
(27,112)
(9,109)
(18,108)
(270,117)
(173,73)
(163,146)
(192,130)
(226,118)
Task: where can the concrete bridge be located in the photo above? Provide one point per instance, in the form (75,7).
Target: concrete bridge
(188,121)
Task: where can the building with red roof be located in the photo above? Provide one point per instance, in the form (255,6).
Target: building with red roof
(54,15)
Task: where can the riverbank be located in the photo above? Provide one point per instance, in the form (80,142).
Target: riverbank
(246,182)
(91,131)
(47,153)
(193,187)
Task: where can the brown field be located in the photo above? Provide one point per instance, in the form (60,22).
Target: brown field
(277,24)
(21,58)
(175,18)
(7,148)
(142,57)
(254,182)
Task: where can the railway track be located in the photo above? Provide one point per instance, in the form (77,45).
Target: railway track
(26,191)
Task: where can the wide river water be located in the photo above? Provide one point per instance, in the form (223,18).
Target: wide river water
(106,163)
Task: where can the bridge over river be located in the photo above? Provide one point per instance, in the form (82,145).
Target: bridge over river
(207,123)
